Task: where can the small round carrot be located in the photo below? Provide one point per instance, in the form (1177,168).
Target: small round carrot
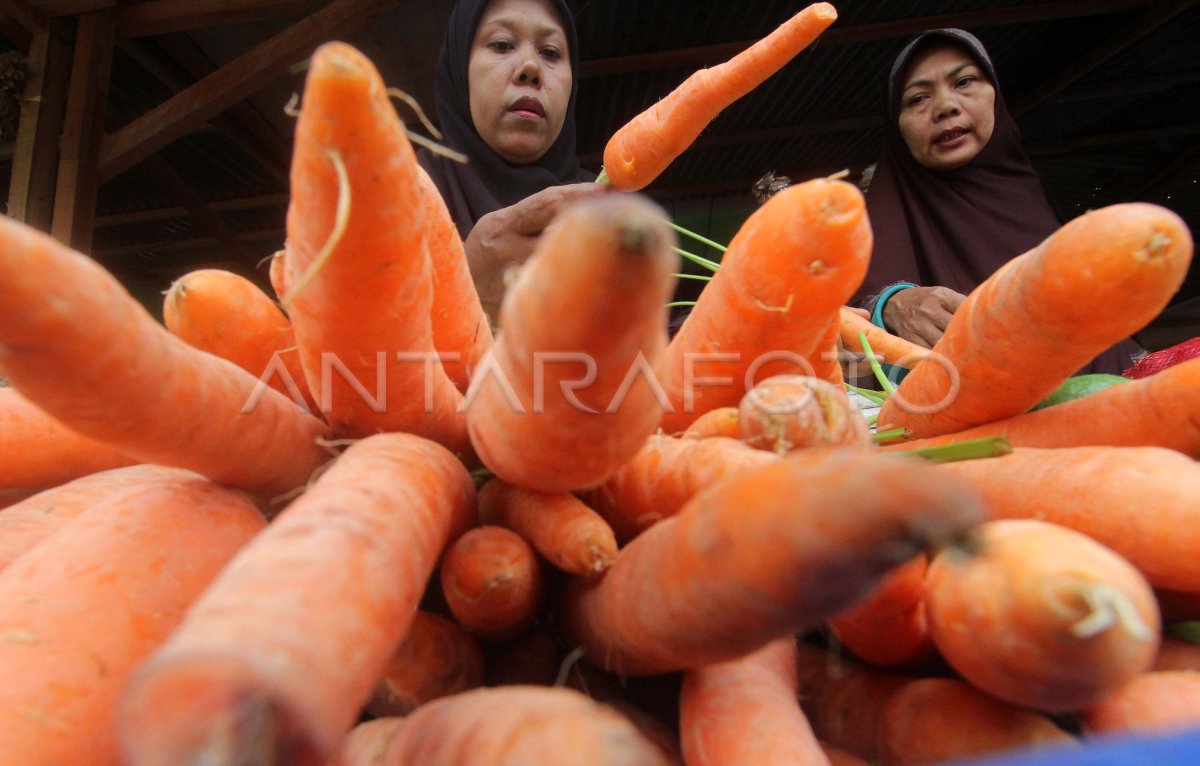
(493,582)
(1041,616)
(789,412)
(1157,702)
(558,525)
(889,627)
(647,144)
(437,657)
(722,421)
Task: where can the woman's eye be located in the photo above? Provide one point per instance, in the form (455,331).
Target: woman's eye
(917,99)
(500,45)
(965,81)
(552,53)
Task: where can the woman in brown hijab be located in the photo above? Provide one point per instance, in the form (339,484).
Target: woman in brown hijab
(953,196)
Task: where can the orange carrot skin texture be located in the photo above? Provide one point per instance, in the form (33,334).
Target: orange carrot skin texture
(644,147)
(297,630)
(436,658)
(663,476)
(528,419)
(1177,654)
(78,345)
(891,349)
(793,263)
(1157,411)
(82,609)
(1138,501)
(226,314)
(1098,279)
(1153,703)
(30,521)
(371,300)
(789,412)
(1043,616)
(889,627)
(38,452)
(745,711)
(824,357)
(723,421)
(767,552)
(459,323)
(493,582)
(505,726)
(558,525)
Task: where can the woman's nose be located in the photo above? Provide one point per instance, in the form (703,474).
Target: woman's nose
(529,72)
(945,105)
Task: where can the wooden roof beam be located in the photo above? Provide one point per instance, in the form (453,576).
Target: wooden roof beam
(159,17)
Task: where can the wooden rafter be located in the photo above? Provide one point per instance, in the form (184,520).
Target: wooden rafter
(158,17)
(182,193)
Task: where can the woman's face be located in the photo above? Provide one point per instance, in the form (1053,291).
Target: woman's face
(519,77)
(947,107)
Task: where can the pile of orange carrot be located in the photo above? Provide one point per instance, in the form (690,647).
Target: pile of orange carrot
(366,529)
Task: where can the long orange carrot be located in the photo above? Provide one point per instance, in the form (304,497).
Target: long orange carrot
(361,283)
(790,267)
(1153,703)
(745,711)
(890,349)
(226,314)
(558,525)
(37,451)
(765,553)
(664,475)
(82,609)
(1042,316)
(568,369)
(1156,411)
(298,628)
(493,582)
(80,347)
(889,627)
(1042,616)
(646,145)
(790,412)
(504,726)
(436,658)
(1135,500)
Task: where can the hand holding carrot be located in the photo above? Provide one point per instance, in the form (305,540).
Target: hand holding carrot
(920,314)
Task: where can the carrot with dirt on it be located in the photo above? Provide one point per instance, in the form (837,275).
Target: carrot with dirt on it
(493,582)
(790,412)
(437,657)
(637,153)
(87,605)
(558,525)
(300,626)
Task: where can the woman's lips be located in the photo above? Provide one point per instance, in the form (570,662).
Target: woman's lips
(951,139)
(528,108)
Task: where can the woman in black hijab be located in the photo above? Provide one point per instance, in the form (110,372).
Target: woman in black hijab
(506,89)
(953,196)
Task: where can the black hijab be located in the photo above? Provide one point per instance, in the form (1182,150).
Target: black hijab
(487,182)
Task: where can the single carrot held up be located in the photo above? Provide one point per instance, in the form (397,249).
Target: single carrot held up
(638,152)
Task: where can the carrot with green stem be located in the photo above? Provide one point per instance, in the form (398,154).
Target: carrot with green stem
(791,266)
(493,582)
(745,711)
(568,370)
(436,658)
(277,658)
(80,347)
(644,147)
(1134,500)
(558,525)
(360,291)
(1042,316)
(891,349)
(1041,616)
(765,553)
(83,608)
(38,452)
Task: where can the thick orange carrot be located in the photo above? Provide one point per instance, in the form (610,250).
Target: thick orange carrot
(1042,316)
(1135,500)
(890,349)
(296,631)
(504,726)
(1152,703)
(745,711)
(81,348)
(664,475)
(647,144)
(493,582)
(437,657)
(791,266)
(37,451)
(558,525)
(226,314)
(889,626)
(1177,654)
(568,369)
(363,319)
(723,421)
(790,412)
(26,523)
(1042,616)
(765,553)
(1156,411)
(461,330)
(83,608)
